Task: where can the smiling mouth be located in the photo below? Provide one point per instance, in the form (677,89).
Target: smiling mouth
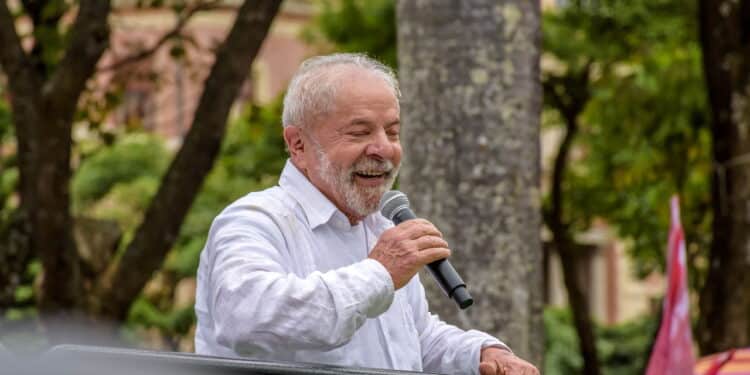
(372,174)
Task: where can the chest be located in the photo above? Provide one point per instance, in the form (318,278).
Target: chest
(389,340)
(326,247)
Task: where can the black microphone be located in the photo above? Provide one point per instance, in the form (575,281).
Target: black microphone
(395,206)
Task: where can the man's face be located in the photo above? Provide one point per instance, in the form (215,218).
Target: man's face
(352,153)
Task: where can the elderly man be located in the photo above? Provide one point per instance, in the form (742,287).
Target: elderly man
(309,270)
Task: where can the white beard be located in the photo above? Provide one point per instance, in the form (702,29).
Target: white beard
(360,200)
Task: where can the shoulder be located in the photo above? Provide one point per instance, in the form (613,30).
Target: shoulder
(273,201)
(265,210)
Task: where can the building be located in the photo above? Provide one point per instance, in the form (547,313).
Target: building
(160,93)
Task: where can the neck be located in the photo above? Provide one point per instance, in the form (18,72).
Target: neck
(353,218)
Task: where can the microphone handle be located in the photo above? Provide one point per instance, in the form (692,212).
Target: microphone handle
(442,270)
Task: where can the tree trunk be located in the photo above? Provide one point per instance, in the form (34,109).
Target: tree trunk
(570,256)
(570,102)
(123,281)
(43,103)
(44,97)
(470,111)
(725,298)
(15,254)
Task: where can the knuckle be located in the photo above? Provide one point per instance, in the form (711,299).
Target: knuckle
(407,246)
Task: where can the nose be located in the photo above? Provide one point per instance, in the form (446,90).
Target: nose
(380,147)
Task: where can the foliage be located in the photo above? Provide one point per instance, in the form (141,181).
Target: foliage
(133,157)
(562,354)
(358,26)
(173,323)
(117,182)
(251,159)
(644,137)
(623,348)
(644,132)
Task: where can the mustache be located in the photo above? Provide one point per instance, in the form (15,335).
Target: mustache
(373,165)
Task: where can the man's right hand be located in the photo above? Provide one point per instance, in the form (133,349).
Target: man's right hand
(404,249)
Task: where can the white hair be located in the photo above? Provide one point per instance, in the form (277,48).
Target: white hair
(313,87)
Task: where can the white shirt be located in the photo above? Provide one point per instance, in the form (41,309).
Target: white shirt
(285,276)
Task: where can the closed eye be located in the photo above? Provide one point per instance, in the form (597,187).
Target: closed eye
(393,130)
(360,133)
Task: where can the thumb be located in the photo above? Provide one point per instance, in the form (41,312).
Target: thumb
(488,368)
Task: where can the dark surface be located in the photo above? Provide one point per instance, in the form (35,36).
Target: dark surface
(89,360)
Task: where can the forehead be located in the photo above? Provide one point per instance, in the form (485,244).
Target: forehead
(359,92)
(351,80)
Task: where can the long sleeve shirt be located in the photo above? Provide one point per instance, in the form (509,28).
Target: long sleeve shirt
(285,276)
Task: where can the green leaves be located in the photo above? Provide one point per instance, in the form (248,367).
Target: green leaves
(644,129)
(623,348)
(251,159)
(133,157)
(358,26)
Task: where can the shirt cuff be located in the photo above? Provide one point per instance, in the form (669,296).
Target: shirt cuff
(486,342)
(494,343)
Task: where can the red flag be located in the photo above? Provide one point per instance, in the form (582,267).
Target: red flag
(673,350)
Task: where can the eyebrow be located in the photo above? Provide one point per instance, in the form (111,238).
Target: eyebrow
(359,121)
(364,121)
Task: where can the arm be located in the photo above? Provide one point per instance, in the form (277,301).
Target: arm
(446,349)
(260,306)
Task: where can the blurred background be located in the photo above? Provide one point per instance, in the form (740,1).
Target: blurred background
(117,151)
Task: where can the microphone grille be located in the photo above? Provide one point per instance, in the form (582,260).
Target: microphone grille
(392,202)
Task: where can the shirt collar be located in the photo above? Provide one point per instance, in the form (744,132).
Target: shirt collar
(317,207)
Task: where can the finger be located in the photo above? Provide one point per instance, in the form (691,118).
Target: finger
(430,255)
(413,229)
(428,242)
(502,368)
(487,368)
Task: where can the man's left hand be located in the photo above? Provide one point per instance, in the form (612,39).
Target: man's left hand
(496,361)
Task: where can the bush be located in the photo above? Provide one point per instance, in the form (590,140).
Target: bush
(132,157)
(623,349)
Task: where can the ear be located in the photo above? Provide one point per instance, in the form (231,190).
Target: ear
(296,146)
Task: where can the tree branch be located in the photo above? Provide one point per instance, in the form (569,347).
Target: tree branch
(182,21)
(45,21)
(577,89)
(13,59)
(558,174)
(24,82)
(90,37)
(122,282)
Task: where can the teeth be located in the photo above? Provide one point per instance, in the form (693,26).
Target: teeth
(370,173)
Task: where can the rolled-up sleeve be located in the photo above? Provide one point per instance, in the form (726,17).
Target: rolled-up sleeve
(446,349)
(258,306)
